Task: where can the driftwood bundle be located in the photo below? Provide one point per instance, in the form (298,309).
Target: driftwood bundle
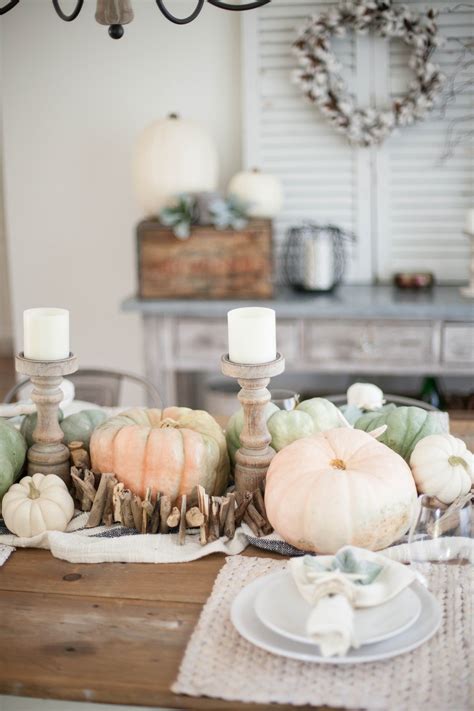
(108,502)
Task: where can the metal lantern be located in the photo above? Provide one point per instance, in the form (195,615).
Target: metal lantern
(314,257)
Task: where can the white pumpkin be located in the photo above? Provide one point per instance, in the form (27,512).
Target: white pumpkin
(261,191)
(173,156)
(339,487)
(443,467)
(365,396)
(37,504)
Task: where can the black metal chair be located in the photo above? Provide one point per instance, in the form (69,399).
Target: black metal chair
(395,399)
(102,387)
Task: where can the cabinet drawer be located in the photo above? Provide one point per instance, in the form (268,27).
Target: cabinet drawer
(458,343)
(370,342)
(206,339)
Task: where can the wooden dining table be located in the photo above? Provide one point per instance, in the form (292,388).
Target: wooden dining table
(110,632)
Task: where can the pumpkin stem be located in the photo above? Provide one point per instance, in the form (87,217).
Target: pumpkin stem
(34,491)
(456,461)
(337,464)
(169,422)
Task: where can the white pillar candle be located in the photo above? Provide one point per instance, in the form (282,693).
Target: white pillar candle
(252,335)
(469,227)
(46,334)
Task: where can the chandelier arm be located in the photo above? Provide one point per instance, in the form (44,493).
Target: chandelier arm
(180,20)
(9,6)
(230,6)
(74,13)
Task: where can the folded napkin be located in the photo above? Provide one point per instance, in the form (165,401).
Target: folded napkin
(331,625)
(336,585)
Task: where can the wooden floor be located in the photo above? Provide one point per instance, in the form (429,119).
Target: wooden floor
(7,375)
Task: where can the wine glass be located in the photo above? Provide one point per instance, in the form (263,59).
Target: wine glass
(441,532)
(285,399)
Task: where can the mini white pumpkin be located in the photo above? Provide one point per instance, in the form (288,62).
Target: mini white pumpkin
(37,504)
(261,191)
(173,156)
(365,396)
(442,466)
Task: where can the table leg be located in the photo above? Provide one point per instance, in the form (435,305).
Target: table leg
(158,350)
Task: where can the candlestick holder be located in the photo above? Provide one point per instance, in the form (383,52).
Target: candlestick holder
(468,290)
(48,455)
(254,456)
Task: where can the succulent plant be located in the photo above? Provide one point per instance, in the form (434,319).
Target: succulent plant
(180,216)
(229,212)
(204,209)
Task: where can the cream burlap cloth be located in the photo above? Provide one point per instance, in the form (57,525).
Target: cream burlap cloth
(437,676)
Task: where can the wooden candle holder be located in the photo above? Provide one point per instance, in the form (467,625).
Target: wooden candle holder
(48,455)
(254,456)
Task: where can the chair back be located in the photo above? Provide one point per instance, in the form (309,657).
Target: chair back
(102,387)
(395,399)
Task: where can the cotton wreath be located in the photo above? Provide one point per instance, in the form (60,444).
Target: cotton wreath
(319,77)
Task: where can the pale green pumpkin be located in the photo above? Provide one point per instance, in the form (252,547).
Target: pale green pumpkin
(77,427)
(406,426)
(80,426)
(308,418)
(12,455)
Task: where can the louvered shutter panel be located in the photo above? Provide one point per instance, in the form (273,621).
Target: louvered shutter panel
(422,197)
(284,134)
(405,206)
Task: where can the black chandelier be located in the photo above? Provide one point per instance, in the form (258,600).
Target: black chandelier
(117,13)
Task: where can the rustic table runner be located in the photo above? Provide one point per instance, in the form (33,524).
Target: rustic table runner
(437,676)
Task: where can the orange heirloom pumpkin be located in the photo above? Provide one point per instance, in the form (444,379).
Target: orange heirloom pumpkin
(171,450)
(339,487)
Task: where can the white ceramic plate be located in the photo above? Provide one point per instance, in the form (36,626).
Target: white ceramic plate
(246,622)
(281,608)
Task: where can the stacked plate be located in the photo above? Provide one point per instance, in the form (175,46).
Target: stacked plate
(271,614)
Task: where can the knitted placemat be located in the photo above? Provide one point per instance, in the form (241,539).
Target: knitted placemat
(219,663)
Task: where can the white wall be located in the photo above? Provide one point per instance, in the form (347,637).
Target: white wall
(74,101)
(5,315)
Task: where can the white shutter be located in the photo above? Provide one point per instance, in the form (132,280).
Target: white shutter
(405,208)
(284,134)
(423,198)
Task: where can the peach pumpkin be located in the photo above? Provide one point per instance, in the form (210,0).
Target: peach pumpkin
(339,487)
(171,450)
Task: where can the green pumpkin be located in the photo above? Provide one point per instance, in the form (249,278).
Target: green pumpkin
(308,418)
(77,427)
(405,427)
(12,455)
(351,413)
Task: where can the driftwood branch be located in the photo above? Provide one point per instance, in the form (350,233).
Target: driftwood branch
(165,510)
(108,502)
(97,510)
(182,522)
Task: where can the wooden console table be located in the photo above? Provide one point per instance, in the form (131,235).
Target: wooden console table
(358,329)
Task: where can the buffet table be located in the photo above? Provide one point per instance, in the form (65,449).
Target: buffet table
(357,329)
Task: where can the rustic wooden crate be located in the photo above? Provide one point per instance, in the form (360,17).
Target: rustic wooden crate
(211,264)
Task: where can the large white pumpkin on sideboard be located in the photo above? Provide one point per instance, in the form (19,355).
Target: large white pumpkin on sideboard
(173,156)
(262,192)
